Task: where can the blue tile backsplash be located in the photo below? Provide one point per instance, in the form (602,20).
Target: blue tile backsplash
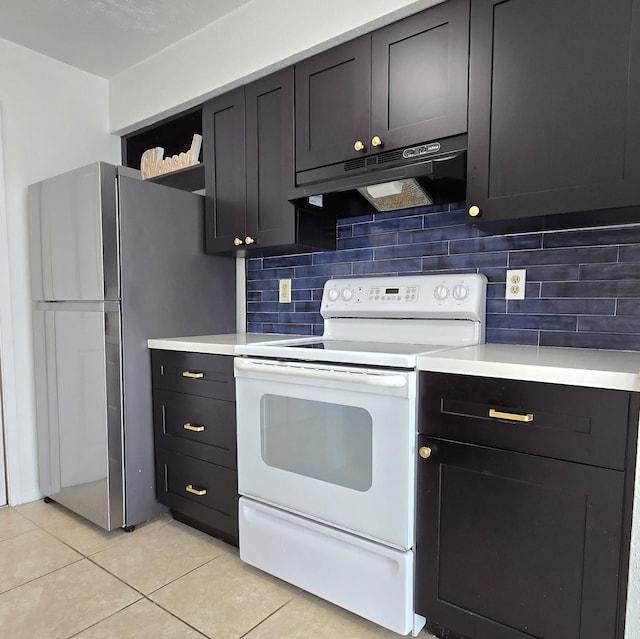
(583,286)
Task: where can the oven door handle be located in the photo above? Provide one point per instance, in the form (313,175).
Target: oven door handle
(371,379)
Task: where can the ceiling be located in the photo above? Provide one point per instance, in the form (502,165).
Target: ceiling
(104,37)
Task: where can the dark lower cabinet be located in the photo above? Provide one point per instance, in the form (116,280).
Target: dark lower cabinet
(514,544)
(195,440)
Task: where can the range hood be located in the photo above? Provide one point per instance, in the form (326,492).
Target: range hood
(419,175)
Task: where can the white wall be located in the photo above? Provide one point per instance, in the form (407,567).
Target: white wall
(54,118)
(254,40)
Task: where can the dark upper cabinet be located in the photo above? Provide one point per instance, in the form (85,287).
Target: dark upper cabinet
(405,83)
(248,151)
(554,109)
(223,135)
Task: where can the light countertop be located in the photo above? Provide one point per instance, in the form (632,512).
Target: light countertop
(224,344)
(618,370)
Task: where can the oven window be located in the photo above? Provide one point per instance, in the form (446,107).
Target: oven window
(329,442)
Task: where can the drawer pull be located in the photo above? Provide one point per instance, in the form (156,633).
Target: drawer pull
(516,417)
(195,428)
(196,491)
(191,375)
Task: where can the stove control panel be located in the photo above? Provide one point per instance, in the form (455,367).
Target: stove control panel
(460,296)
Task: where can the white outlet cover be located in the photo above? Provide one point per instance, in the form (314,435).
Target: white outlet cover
(515,284)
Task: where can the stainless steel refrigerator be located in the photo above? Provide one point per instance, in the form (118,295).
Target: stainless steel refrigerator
(114,261)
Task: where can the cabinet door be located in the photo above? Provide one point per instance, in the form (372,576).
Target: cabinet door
(333,92)
(554,107)
(270,171)
(515,546)
(224,156)
(420,77)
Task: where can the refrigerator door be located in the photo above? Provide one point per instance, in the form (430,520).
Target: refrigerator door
(73,231)
(78,407)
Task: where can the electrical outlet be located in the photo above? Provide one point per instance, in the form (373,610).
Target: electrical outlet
(516,281)
(284,296)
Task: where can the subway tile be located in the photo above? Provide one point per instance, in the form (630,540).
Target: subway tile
(538,322)
(555,273)
(447,218)
(629,253)
(308,282)
(300,295)
(494,243)
(617,324)
(282,261)
(585,255)
(566,306)
(590,289)
(496,305)
(469,261)
(494,274)
(253,264)
(628,307)
(344,232)
(254,296)
(254,327)
(324,270)
(411,250)
(298,318)
(368,241)
(381,216)
(388,267)
(401,224)
(271,295)
(270,273)
(593,237)
(610,272)
(436,234)
(591,340)
(306,307)
(288,329)
(355,255)
(263,307)
(509,336)
(259,316)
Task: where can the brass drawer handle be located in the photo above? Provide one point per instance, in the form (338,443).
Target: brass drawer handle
(191,375)
(196,491)
(516,417)
(194,428)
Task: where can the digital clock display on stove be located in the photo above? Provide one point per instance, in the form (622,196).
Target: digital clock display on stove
(391,291)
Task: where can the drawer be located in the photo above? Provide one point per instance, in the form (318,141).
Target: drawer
(573,423)
(194,373)
(200,427)
(202,491)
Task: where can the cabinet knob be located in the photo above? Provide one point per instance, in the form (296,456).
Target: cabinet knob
(376,141)
(474,211)
(424,452)
(249,240)
(358,145)
(237,241)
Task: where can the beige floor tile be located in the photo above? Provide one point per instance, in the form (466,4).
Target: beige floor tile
(63,602)
(31,555)
(308,616)
(150,558)
(142,620)
(225,598)
(12,523)
(77,532)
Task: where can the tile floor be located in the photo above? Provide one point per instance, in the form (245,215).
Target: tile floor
(62,577)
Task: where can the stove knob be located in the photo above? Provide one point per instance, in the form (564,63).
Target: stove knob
(460,292)
(332,295)
(441,292)
(347,294)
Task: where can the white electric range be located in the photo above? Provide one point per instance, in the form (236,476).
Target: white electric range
(327,439)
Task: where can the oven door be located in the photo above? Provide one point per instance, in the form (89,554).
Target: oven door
(332,443)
